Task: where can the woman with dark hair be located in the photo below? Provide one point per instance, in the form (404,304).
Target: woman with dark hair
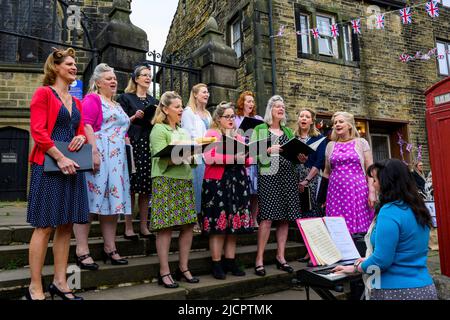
(399,236)
(134,101)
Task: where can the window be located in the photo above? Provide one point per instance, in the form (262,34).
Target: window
(327,44)
(305,42)
(343,48)
(348,51)
(445,3)
(444,64)
(236,38)
(381,148)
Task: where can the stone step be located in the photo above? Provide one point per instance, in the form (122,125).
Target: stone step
(139,269)
(22,234)
(15,256)
(232,287)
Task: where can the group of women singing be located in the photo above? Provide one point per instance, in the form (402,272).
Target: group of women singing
(226,195)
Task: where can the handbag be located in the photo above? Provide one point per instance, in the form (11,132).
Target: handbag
(83,157)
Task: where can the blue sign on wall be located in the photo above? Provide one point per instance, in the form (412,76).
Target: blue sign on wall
(76,89)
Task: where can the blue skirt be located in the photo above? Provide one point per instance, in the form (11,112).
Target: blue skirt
(56,199)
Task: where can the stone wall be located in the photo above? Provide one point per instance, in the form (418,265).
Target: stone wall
(377,88)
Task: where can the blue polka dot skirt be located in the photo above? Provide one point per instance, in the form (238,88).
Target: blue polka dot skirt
(54,198)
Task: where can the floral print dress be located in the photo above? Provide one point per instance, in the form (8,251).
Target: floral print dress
(226,203)
(109,188)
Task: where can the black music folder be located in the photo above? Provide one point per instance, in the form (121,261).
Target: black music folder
(305,200)
(130,159)
(249,123)
(229,145)
(295,146)
(180,150)
(149,112)
(82,157)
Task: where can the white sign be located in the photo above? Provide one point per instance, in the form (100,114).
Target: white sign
(430,206)
(442,98)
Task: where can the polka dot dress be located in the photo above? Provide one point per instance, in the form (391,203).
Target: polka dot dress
(347,190)
(54,198)
(424,293)
(141,181)
(278,196)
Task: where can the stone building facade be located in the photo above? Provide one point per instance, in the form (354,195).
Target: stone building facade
(102,36)
(360,74)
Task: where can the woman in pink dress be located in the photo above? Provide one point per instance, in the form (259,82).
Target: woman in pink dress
(350,192)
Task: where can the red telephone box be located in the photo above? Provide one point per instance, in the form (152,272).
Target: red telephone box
(438,126)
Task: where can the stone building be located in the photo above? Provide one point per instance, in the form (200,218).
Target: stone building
(98,30)
(361,74)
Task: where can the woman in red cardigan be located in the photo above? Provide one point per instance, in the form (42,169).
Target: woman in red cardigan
(225,196)
(55,200)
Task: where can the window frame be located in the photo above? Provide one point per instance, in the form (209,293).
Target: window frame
(444,3)
(447,57)
(332,42)
(236,20)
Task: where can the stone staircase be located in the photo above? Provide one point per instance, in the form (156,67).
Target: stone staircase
(137,280)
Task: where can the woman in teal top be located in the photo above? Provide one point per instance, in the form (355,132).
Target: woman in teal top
(172,191)
(278,196)
(399,238)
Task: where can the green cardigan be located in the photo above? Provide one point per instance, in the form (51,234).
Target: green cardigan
(262,132)
(160,137)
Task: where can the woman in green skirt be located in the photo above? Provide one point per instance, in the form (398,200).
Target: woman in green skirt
(172,191)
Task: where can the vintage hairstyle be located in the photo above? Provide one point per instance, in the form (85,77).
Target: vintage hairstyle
(397,184)
(219,112)
(195,90)
(132,85)
(268,116)
(97,75)
(240,103)
(350,119)
(55,58)
(165,101)
(313,131)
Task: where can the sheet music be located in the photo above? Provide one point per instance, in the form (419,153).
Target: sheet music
(341,237)
(316,144)
(320,241)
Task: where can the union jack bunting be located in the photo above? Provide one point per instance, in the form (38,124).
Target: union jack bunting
(334,30)
(380,21)
(432,51)
(406,15)
(440,56)
(315,33)
(281,31)
(356,26)
(404,57)
(432,8)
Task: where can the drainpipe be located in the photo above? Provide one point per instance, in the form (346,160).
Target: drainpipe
(272,48)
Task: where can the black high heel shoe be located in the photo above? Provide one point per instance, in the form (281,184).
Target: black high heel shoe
(116,262)
(171,285)
(260,270)
(181,274)
(29,297)
(284,266)
(87,266)
(63,295)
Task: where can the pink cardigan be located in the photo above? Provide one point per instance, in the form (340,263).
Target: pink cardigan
(215,162)
(92,108)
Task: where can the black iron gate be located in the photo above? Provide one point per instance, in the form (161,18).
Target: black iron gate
(172,77)
(13,164)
